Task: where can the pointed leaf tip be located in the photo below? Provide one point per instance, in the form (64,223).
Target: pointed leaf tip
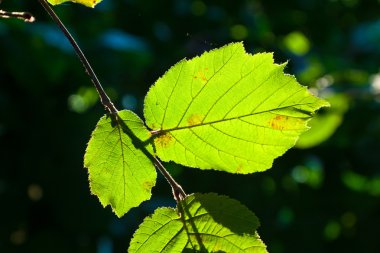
(228,110)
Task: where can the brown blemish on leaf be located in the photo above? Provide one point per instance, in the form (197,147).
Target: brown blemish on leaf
(279,122)
(195,119)
(148,185)
(201,75)
(155,126)
(239,169)
(164,140)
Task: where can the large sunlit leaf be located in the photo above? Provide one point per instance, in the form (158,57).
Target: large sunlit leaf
(228,110)
(120,173)
(89,3)
(200,223)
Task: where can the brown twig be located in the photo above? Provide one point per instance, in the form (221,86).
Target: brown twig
(25,16)
(178,193)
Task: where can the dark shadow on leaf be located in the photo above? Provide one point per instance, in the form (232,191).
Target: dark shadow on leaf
(184,211)
(137,143)
(229,213)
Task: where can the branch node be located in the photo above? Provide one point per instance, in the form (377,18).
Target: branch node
(155,132)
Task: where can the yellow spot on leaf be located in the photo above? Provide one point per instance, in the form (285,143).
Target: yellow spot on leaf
(195,119)
(164,140)
(279,122)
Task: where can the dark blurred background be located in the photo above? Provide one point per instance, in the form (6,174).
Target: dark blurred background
(322,196)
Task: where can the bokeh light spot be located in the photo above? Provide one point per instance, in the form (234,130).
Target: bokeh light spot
(300,174)
(289,184)
(239,32)
(348,219)
(35,192)
(285,216)
(105,245)
(311,173)
(129,102)
(269,185)
(350,3)
(76,103)
(360,183)
(375,84)
(297,43)
(162,31)
(83,99)
(198,8)
(332,230)
(18,237)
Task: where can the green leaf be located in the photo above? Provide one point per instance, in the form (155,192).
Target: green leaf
(120,172)
(88,3)
(200,223)
(228,110)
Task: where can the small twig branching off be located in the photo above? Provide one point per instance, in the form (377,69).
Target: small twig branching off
(178,193)
(25,16)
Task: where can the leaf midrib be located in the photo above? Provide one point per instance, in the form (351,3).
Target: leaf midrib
(235,118)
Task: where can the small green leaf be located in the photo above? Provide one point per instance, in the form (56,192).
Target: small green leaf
(120,172)
(228,110)
(88,3)
(201,223)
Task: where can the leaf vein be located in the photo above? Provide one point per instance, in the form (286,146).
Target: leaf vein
(203,87)
(171,93)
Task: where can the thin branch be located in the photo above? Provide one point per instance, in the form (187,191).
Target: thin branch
(178,193)
(104,99)
(25,16)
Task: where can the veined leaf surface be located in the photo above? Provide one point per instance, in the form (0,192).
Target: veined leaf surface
(120,172)
(228,110)
(88,3)
(201,223)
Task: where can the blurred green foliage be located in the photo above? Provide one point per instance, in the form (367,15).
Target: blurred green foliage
(324,198)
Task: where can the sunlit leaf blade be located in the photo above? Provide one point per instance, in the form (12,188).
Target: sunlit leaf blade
(228,110)
(89,3)
(120,173)
(201,223)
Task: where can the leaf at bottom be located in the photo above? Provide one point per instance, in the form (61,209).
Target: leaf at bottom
(201,223)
